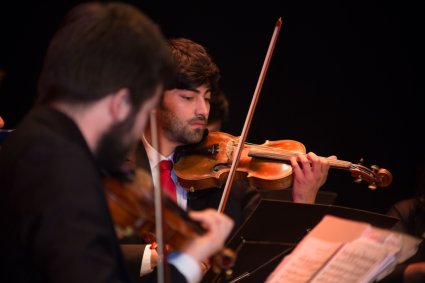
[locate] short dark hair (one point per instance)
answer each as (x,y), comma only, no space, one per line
(100,48)
(195,66)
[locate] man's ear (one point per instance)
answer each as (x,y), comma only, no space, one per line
(120,105)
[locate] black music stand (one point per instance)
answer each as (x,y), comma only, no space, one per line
(322,197)
(275,228)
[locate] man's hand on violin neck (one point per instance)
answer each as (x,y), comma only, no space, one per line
(218,227)
(310,173)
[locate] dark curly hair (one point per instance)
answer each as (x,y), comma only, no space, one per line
(195,66)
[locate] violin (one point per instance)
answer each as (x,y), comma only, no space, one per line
(131,204)
(265,166)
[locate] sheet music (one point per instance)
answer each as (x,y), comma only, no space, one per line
(301,266)
(358,261)
(342,250)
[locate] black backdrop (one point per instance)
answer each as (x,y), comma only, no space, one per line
(346,78)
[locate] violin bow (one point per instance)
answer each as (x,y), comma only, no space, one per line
(159,232)
(249,116)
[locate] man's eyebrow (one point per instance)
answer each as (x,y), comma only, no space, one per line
(192,89)
(197,91)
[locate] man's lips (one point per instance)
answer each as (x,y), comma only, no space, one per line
(199,124)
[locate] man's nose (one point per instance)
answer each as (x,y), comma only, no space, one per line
(202,107)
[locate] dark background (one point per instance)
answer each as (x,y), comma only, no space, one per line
(346,78)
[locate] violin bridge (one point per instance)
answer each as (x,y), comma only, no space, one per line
(229,150)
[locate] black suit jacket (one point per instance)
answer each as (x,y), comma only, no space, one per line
(55,221)
(58,224)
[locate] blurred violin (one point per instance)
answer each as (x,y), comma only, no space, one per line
(132,209)
(263,166)
(131,203)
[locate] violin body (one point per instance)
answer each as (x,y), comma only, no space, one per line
(208,164)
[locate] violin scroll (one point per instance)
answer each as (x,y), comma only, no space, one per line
(224,261)
(375,177)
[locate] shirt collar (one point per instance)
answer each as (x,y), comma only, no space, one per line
(153,153)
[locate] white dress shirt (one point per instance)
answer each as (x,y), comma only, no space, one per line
(188,266)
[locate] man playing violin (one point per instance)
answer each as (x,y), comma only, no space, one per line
(103,72)
(182,118)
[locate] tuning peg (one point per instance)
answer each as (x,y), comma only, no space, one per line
(360,161)
(372,186)
(358,180)
(375,168)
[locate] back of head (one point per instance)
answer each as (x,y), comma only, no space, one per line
(195,66)
(100,48)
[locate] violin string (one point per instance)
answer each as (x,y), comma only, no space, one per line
(287,154)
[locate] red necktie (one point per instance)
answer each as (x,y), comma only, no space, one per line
(167,183)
